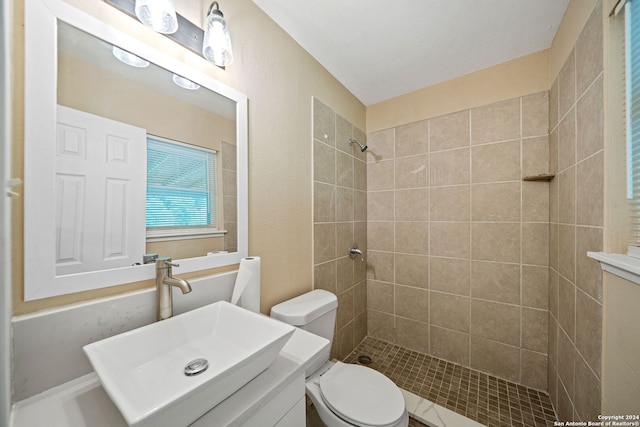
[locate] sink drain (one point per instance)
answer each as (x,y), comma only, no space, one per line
(196,367)
(365,360)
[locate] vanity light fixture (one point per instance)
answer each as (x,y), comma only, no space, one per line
(129,58)
(216,46)
(157,14)
(185,83)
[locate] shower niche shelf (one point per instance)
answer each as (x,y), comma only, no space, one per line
(546,177)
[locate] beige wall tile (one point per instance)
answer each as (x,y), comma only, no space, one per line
(554,279)
(380,296)
(553,151)
(449,311)
(359,205)
(412,205)
(588,394)
(344,204)
(495,242)
(495,281)
(412,172)
(554,249)
(535,201)
(380,206)
(449,203)
(345,309)
(344,274)
(564,407)
(589,330)
(450,131)
(380,236)
(535,330)
(553,105)
(495,321)
(566,362)
(496,162)
(229,182)
(496,201)
(412,139)
(450,275)
(590,120)
(380,266)
(533,368)
(324,242)
(499,121)
(412,270)
(359,329)
(449,167)
(567,196)
(412,303)
(449,239)
(360,299)
(535,287)
(535,114)
(324,123)
(412,335)
(324,202)
(535,156)
(589,51)
(567,140)
(381,325)
(588,271)
(344,132)
(324,277)
(412,237)
(495,358)
(344,238)
(450,345)
(344,169)
(344,342)
(381,145)
(567,307)
(590,191)
(359,175)
(324,163)
(567,251)
(553,343)
(380,175)
(535,243)
(567,85)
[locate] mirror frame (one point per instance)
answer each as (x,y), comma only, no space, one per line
(40,280)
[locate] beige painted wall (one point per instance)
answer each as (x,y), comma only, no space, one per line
(279,79)
(621,347)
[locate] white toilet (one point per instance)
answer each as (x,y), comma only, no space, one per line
(343,394)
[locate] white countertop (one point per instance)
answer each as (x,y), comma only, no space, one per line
(82,402)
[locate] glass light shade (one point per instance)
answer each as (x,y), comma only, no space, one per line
(185,83)
(216,46)
(129,58)
(158,14)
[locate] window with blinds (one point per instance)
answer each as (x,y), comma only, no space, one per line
(181,187)
(632,77)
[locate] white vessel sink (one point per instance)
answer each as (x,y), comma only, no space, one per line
(143,371)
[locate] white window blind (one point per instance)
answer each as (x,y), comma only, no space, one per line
(632,78)
(181,187)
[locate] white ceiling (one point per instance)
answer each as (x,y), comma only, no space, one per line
(382,49)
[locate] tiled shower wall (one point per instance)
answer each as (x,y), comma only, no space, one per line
(577,208)
(458,244)
(340,219)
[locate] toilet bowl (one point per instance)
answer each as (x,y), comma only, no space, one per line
(344,395)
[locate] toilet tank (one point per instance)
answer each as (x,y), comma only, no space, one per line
(314,312)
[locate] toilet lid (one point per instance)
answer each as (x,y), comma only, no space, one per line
(362,396)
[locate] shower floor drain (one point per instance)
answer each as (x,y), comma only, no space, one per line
(365,360)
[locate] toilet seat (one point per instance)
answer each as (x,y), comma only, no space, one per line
(361,396)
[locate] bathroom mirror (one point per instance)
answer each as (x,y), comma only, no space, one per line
(84,227)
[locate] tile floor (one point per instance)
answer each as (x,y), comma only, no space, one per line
(481,397)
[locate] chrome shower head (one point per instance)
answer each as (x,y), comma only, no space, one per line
(363,148)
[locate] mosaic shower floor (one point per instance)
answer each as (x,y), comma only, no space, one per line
(481,397)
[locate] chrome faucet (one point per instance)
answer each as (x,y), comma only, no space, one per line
(164,282)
